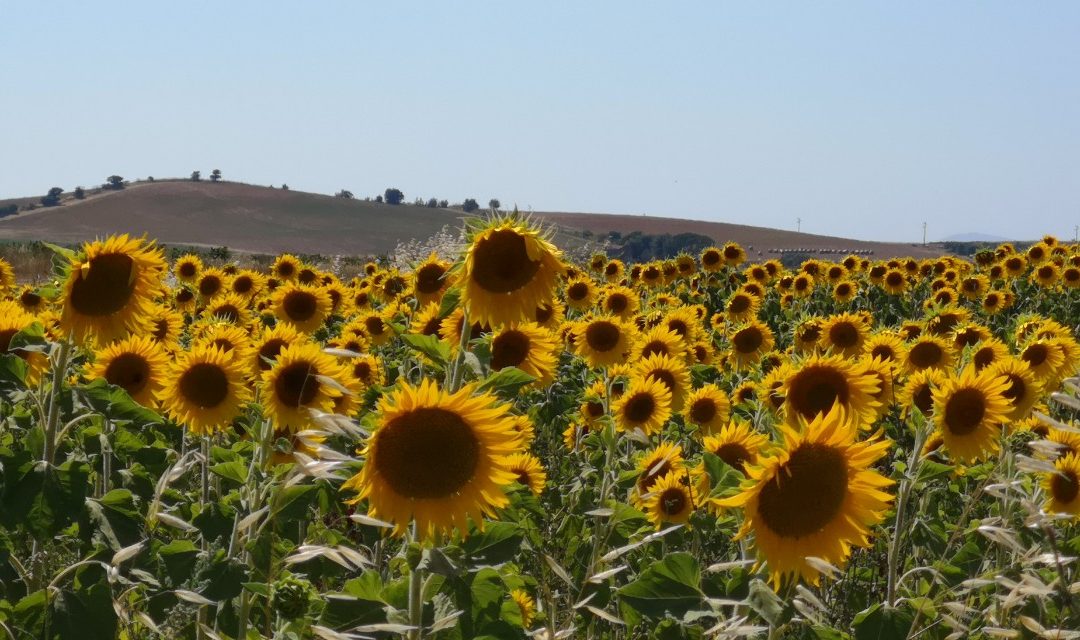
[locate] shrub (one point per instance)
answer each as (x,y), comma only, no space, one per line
(394,196)
(469,205)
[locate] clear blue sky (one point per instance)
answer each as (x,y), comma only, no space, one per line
(863,119)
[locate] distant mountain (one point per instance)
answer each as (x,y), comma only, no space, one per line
(974,237)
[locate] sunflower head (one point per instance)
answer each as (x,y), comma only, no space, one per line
(645,405)
(822,382)
(205,389)
(137,364)
(302,306)
(969,411)
(298,383)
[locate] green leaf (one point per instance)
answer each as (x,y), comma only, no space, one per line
(29,614)
(497,543)
(882,622)
(13,370)
(723,478)
(671,585)
(486,592)
(179,557)
(360,602)
(85,614)
(258,588)
(507,381)
(436,350)
(47,499)
(929,470)
(117,518)
(235,471)
(224,578)
(293,502)
(30,338)
(450,301)
(114,402)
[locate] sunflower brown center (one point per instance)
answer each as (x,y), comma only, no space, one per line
(227,311)
(204,385)
(184,295)
(664,376)
(703,411)
(296,385)
(844,335)
(270,351)
(577,291)
(617,302)
(594,409)
(734,455)
(1035,355)
(654,347)
(427,453)
(307,276)
(602,336)
(739,304)
(710,258)
(299,306)
(362,371)
(923,399)
(673,502)
(129,371)
(640,407)
(375,325)
(807,493)
(816,389)
(30,299)
(964,411)
(509,349)
(106,287)
(543,314)
(1064,486)
(653,473)
(429,278)
(883,352)
(209,285)
(243,285)
(1017,389)
(612,269)
(678,326)
(501,263)
(748,340)
(925,354)
(188,270)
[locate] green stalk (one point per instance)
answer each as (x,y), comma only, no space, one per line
(59,368)
(903,494)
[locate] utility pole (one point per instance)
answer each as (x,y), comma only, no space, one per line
(1076,233)
(798,224)
(924,234)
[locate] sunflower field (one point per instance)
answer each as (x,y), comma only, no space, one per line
(499,443)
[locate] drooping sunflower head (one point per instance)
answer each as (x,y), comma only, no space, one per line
(205,389)
(302,306)
(109,287)
(969,411)
(816,495)
(137,364)
(437,458)
(509,270)
(645,405)
(822,382)
(31,300)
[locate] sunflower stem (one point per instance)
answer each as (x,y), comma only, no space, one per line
(59,368)
(903,494)
(416,605)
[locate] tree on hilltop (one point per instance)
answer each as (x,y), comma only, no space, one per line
(393,196)
(494,203)
(215,175)
(196,176)
(52,198)
(469,205)
(80,193)
(344,193)
(113,182)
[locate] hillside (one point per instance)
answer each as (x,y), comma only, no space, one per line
(264,220)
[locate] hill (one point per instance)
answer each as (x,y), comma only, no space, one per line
(264,220)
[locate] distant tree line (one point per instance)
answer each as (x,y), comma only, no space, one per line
(640,247)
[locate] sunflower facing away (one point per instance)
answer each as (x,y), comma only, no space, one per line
(816,495)
(109,288)
(437,458)
(509,270)
(137,364)
(205,389)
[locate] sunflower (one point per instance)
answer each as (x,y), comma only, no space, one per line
(885,345)
(658,340)
(843,334)
(1063,486)
(527,346)
(13,320)
(286,267)
(712,259)
(646,405)
(247,283)
(1046,275)
(672,372)
(969,335)
(671,499)
(302,306)
(137,364)
(1070,277)
(368,369)
(529,471)
(807,336)
(509,270)
(822,382)
(109,287)
(969,411)
(580,293)
(708,408)
(749,342)
(928,352)
(431,279)
(437,458)
(1044,357)
(549,315)
(603,340)
(734,255)
(817,495)
(894,282)
(665,458)
(526,605)
(263,349)
(885,373)
(211,282)
(845,291)
(228,307)
(297,383)
(184,300)
(31,300)
(683,322)
(988,352)
(619,301)
(702,352)
(745,393)
(1024,389)
(224,336)
(614,271)
(187,268)
(737,444)
(204,389)
(426,321)
(374,326)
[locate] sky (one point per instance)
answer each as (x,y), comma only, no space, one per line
(861,119)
